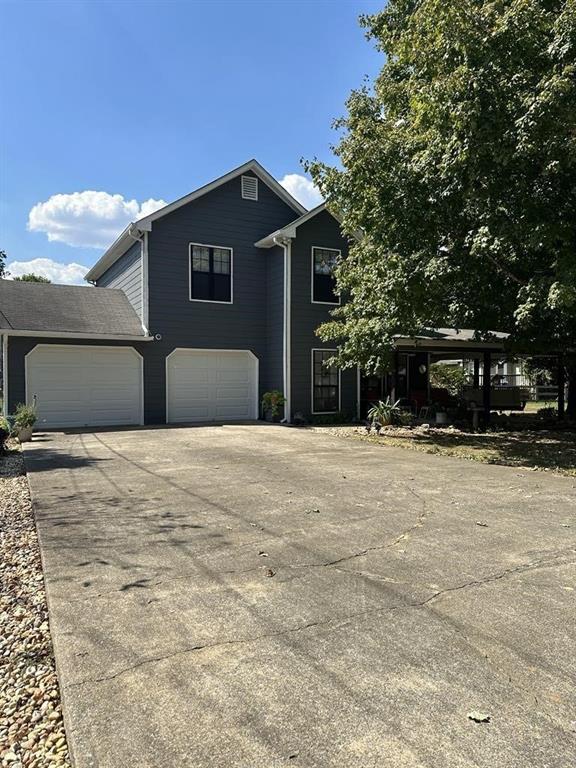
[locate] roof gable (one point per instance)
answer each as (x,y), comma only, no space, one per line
(135,230)
(289,231)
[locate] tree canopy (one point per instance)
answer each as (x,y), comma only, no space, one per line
(30,277)
(457,166)
(3,272)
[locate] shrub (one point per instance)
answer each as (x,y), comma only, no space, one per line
(25,416)
(385,413)
(272,402)
(326,419)
(549,412)
(450,377)
(4,433)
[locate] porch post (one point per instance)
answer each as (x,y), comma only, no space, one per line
(561,386)
(486,392)
(476,379)
(395,376)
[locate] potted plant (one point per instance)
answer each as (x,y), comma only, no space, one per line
(4,433)
(384,413)
(272,404)
(24,419)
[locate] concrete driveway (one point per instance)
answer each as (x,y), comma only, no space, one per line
(256,596)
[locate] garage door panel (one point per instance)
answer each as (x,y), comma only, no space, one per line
(211,386)
(77,386)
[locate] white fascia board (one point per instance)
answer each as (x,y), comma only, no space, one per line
(404,342)
(120,245)
(78,335)
(290,229)
(128,237)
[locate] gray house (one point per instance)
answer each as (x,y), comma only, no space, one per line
(197,310)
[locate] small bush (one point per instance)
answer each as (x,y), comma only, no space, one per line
(549,412)
(326,419)
(449,377)
(25,416)
(4,433)
(272,402)
(385,413)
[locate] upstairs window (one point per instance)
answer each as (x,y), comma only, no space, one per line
(323,282)
(325,382)
(210,273)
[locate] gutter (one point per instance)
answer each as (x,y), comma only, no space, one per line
(286,244)
(78,335)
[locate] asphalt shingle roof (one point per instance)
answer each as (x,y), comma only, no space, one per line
(66,308)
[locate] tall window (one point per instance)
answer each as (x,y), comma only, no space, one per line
(210,273)
(325,382)
(323,282)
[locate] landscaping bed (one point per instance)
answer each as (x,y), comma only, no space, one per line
(539,449)
(31,729)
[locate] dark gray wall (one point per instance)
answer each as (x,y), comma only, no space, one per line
(126,274)
(321,231)
(221,218)
(274,320)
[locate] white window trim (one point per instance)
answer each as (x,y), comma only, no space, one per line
(321,413)
(211,301)
(323,248)
(252,178)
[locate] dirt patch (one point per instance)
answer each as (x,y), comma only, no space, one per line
(546,450)
(31,729)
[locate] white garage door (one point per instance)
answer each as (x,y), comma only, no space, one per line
(85,386)
(211,385)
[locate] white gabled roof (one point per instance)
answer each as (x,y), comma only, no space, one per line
(132,231)
(290,229)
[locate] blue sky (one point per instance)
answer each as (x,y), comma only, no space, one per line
(110,108)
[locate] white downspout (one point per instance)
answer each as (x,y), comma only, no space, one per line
(286,244)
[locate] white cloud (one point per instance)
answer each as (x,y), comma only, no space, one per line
(87,219)
(304,190)
(69,274)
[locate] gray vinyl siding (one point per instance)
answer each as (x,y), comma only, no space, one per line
(275,320)
(126,274)
(19,346)
(220,218)
(321,231)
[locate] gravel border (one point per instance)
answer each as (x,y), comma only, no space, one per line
(31,728)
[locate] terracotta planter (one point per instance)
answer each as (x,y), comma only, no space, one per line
(25,434)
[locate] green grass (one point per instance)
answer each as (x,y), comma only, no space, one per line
(534,405)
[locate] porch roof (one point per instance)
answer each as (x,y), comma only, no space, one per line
(451,339)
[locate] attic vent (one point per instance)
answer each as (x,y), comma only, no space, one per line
(249,187)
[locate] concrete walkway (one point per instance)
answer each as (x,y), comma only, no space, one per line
(256,596)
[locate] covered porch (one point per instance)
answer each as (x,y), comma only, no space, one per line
(492,381)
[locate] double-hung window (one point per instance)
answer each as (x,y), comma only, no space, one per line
(323,282)
(210,273)
(325,382)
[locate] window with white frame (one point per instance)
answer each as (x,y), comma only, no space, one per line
(210,273)
(325,382)
(323,282)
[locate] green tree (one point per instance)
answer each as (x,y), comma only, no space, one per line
(30,277)
(3,272)
(458,167)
